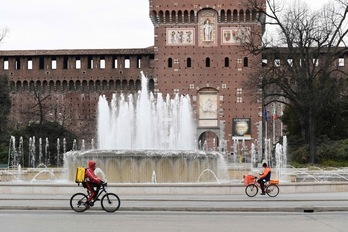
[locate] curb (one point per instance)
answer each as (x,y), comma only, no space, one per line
(190,209)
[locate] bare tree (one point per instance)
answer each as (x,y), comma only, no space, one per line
(39,110)
(302,49)
(3,33)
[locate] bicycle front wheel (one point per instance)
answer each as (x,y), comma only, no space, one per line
(251,190)
(110,202)
(272,190)
(78,202)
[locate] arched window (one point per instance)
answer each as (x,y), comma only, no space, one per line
(104,85)
(131,85)
(227,62)
(71,85)
(138,85)
(124,85)
(18,86)
(229,16)
(248,16)
(31,86)
(207,62)
(91,85)
(111,85)
(167,17)
(151,85)
(254,13)
(246,62)
(170,63)
(189,62)
(84,85)
(65,86)
(25,86)
(235,16)
(118,85)
(173,17)
(78,85)
(51,86)
(192,16)
(186,17)
(98,85)
(241,16)
(223,16)
(38,86)
(58,86)
(161,16)
(180,16)
(45,88)
(13,86)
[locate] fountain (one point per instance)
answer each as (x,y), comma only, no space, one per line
(281,161)
(140,135)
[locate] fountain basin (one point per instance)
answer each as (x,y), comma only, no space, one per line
(32,175)
(147,166)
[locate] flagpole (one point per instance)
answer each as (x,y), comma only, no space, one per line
(266,132)
(274,131)
(274,121)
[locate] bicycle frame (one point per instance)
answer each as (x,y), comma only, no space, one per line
(101,191)
(110,202)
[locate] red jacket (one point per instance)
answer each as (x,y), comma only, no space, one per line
(93,178)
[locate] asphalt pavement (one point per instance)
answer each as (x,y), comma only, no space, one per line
(303,202)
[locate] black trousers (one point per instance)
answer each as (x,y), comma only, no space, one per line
(262,184)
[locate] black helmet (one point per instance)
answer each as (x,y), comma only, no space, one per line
(264,165)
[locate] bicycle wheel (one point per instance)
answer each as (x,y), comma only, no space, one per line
(110,202)
(78,202)
(251,190)
(272,190)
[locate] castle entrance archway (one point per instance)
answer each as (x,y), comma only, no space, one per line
(208,141)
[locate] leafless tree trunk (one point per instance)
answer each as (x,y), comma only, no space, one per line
(3,33)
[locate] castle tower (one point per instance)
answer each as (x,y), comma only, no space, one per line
(198,51)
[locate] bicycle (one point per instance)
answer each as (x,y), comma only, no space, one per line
(110,202)
(252,186)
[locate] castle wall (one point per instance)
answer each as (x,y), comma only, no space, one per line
(69,83)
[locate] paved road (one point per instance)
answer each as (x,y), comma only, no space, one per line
(308,202)
(57,221)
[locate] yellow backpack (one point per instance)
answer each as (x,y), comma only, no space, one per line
(80,175)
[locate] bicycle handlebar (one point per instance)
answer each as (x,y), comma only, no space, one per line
(104,184)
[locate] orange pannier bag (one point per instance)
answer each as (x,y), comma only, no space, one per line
(248,179)
(274,181)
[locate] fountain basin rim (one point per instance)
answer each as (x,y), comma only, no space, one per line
(145,152)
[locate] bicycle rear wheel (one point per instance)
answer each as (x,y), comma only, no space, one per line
(272,190)
(78,202)
(251,190)
(110,202)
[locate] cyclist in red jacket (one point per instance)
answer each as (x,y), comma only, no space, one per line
(92,181)
(264,177)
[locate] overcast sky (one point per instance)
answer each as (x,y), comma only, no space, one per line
(78,24)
